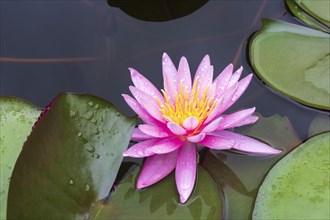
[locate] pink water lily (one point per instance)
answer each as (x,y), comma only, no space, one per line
(184,114)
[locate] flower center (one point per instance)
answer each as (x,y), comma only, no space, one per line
(187,104)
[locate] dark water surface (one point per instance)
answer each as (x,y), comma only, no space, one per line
(85,46)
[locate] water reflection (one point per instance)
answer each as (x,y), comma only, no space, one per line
(161,10)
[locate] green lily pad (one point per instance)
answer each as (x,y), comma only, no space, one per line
(298,186)
(70,159)
(319,9)
(302,15)
(320,124)
(240,175)
(293,60)
(161,200)
(16,120)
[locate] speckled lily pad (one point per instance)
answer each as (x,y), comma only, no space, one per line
(298,186)
(293,60)
(70,159)
(16,120)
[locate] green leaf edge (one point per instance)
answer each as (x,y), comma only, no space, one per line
(279,165)
(276,26)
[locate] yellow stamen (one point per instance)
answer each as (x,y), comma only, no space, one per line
(187,104)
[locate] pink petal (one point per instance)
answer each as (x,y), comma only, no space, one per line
(148,103)
(222,103)
(190,123)
(139,110)
(249,120)
(164,146)
(204,74)
(212,90)
(196,138)
(155,131)
(247,144)
(235,77)
(227,97)
(145,85)
(185,172)
(234,119)
(139,135)
(176,129)
(139,150)
(170,77)
(155,168)
(222,80)
(184,74)
(242,85)
(218,143)
(213,125)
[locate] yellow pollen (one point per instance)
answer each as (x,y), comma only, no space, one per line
(187,105)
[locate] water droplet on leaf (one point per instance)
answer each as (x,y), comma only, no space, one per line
(90,149)
(72,113)
(87,188)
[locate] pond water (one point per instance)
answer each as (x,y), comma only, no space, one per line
(48,47)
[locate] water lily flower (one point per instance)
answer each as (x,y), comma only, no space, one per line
(184,114)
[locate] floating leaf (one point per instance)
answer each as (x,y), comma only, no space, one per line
(70,160)
(298,186)
(320,123)
(161,201)
(16,120)
(160,10)
(302,15)
(293,60)
(319,9)
(240,175)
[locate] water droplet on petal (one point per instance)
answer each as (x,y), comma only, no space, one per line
(140,153)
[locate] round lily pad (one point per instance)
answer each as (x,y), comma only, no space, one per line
(70,159)
(319,9)
(17,117)
(298,186)
(297,11)
(293,60)
(161,200)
